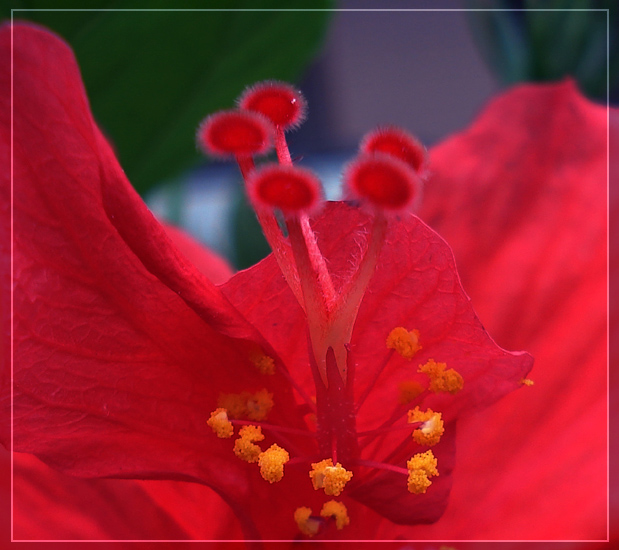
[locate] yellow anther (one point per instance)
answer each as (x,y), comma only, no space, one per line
(430,432)
(307,524)
(259,405)
(440,379)
(272,462)
(220,424)
(404,342)
(264,363)
(246,450)
(527,382)
(421,467)
(244,446)
(331,478)
(409,390)
(234,403)
(336,510)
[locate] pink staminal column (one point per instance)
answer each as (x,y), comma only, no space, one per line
(384,179)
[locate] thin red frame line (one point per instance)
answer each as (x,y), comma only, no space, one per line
(11,289)
(322,540)
(608,275)
(607,319)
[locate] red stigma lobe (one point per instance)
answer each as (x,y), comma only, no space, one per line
(283,105)
(238,133)
(397,143)
(292,190)
(383,181)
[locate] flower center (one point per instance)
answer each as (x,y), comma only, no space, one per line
(385,179)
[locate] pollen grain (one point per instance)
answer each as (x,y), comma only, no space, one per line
(307,524)
(442,379)
(421,467)
(332,479)
(272,462)
(245,447)
(336,510)
(220,424)
(405,342)
(431,429)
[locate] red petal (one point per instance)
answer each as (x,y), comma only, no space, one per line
(5,248)
(383,493)
(214,267)
(121,345)
(521,196)
(49,505)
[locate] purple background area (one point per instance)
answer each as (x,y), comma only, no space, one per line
(420,70)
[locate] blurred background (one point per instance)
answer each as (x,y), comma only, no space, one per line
(152,75)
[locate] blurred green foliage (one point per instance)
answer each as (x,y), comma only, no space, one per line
(531,43)
(151,75)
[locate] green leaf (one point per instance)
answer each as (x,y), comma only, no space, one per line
(501,40)
(152,76)
(528,42)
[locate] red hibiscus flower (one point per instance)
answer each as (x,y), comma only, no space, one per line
(123,349)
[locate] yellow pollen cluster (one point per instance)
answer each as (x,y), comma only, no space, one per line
(527,382)
(255,406)
(220,424)
(336,510)
(421,467)
(404,342)
(409,390)
(272,462)
(244,446)
(430,432)
(264,363)
(440,379)
(331,478)
(307,524)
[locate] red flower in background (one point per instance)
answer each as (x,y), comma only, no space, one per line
(121,380)
(535,220)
